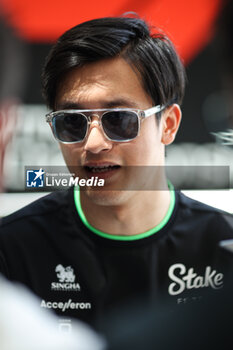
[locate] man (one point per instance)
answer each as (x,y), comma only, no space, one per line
(115,92)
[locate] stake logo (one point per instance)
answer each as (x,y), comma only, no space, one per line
(188,279)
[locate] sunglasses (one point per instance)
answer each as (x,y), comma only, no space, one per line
(118,124)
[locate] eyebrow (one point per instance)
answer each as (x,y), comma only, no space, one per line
(119,102)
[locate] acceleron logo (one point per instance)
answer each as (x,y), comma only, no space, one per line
(35,178)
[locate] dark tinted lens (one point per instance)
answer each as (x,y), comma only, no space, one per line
(70,127)
(120,125)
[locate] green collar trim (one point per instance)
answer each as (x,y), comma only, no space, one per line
(125,238)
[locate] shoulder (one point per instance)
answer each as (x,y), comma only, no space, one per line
(197,206)
(48,205)
(200,214)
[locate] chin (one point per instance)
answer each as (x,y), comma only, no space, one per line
(108,197)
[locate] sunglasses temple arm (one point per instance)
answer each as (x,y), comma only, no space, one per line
(153,110)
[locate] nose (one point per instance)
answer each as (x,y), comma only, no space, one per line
(96,141)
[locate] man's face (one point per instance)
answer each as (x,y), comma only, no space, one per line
(109,83)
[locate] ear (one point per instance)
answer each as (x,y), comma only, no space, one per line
(171,119)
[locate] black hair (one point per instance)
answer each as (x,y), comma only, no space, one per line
(153,55)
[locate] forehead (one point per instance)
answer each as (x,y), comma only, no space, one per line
(102,82)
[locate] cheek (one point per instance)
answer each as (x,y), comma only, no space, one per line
(137,152)
(71,154)
(150,133)
(149,148)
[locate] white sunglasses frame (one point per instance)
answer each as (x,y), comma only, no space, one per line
(141,114)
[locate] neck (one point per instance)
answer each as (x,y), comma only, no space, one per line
(132,215)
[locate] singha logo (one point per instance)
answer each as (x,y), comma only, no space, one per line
(65,274)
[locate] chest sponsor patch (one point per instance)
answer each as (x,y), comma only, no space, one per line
(184,279)
(65,305)
(66,279)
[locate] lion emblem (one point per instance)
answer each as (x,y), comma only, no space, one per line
(65,274)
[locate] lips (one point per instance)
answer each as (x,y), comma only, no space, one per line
(103,170)
(97,169)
